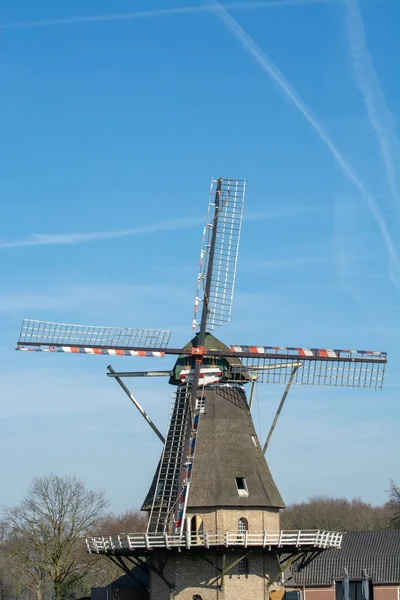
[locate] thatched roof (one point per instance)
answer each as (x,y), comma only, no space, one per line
(225,450)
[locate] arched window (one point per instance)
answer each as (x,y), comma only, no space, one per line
(197,597)
(244,566)
(243,526)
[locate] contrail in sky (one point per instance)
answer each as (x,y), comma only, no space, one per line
(69,239)
(273,72)
(368,83)
(163,12)
(49,239)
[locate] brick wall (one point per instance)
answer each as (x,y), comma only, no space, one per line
(321,593)
(226,519)
(193,575)
(383,592)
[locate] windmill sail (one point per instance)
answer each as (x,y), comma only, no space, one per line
(320,367)
(47,336)
(186,474)
(223,253)
(167,485)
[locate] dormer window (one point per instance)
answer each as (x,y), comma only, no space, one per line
(241,486)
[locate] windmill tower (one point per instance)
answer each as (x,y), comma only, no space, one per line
(213,528)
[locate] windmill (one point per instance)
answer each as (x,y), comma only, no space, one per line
(210,379)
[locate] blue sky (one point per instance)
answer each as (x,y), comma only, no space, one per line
(111,131)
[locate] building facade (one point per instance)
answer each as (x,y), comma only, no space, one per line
(376,552)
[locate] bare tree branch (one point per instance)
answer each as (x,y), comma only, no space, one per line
(48,529)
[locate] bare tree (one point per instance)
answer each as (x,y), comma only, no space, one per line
(129,521)
(25,570)
(49,526)
(337,514)
(5,580)
(394,505)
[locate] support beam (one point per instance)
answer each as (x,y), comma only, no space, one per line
(136,403)
(301,556)
(226,568)
(253,389)
(282,568)
(142,564)
(221,585)
(160,573)
(210,562)
(137,563)
(118,561)
(278,412)
(308,558)
(141,374)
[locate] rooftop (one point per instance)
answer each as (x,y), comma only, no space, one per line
(376,551)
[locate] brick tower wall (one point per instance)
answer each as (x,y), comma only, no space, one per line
(193,575)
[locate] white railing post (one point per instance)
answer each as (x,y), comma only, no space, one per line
(317,538)
(265,537)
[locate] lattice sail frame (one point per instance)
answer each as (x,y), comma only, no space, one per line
(47,336)
(229,224)
(188,467)
(318,367)
(267,364)
(172,465)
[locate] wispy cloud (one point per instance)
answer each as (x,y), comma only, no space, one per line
(162,12)
(68,239)
(81,297)
(369,85)
(39,239)
(284,213)
(295,261)
(278,78)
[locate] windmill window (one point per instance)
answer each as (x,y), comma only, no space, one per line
(201,404)
(243,526)
(253,437)
(244,566)
(241,486)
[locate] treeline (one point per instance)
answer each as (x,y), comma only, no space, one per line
(340,514)
(42,550)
